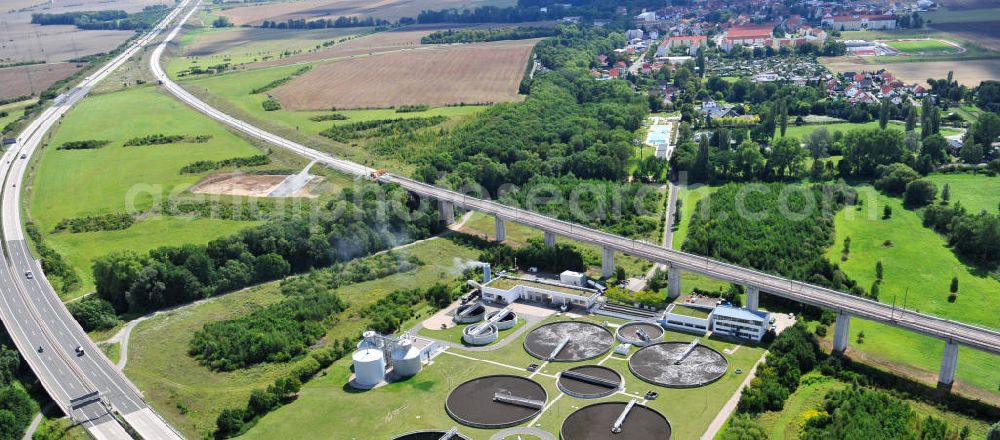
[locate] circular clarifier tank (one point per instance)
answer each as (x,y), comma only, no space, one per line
(596,422)
(678,364)
(568,341)
(496,401)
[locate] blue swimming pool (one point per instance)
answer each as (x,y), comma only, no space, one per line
(658,134)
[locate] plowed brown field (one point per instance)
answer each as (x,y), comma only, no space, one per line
(33,79)
(437,76)
(384,9)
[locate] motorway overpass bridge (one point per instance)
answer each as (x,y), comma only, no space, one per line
(952,333)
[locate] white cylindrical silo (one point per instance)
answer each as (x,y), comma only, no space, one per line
(369,367)
(406,359)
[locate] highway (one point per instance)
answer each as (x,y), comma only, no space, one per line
(976,337)
(87,387)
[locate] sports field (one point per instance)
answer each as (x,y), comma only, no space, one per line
(74,183)
(417,403)
(927,46)
(918,267)
(191,396)
(469,74)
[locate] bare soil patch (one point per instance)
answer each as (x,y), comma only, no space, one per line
(384,9)
(248,185)
(22,41)
(440,76)
(983,33)
(967,72)
(33,79)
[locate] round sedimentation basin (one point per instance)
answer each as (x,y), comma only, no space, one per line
(658,364)
(585,341)
(474,403)
(470,313)
(428,435)
(507,322)
(589,382)
(631,333)
(488,335)
(594,422)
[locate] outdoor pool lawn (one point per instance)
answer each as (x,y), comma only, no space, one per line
(801,131)
(921,46)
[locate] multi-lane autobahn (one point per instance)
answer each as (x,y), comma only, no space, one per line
(953,331)
(75,373)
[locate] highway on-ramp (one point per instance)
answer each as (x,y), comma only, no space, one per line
(75,373)
(957,332)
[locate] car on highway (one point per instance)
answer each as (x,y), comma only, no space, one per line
(24,155)
(29,275)
(79,350)
(40,349)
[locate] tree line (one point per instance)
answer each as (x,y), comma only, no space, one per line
(115,221)
(163,139)
(339,22)
(280,81)
(379,127)
(172,275)
(202,166)
(105,20)
(451,36)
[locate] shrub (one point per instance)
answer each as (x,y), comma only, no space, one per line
(83,145)
(919,193)
(93,313)
(329,117)
(238,162)
(821,330)
(271,105)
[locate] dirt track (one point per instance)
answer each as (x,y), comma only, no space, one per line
(435,76)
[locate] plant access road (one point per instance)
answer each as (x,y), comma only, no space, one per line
(75,373)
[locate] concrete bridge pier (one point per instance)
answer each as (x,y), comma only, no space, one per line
(674,282)
(608,263)
(842,332)
(753,298)
(447,211)
(501,229)
(949,364)
(550,239)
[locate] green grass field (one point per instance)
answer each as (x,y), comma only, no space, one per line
(975,192)
(804,402)
(972,47)
(919,266)
(14,111)
(416,403)
(159,364)
(801,131)
(119,179)
(922,46)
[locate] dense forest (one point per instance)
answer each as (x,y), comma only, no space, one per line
(16,406)
(775,228)
(857,412)
(354,225)
(105,20)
